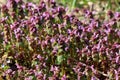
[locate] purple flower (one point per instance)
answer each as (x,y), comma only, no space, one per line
(19,1)
(12,3)
(94,71)
(60,10)
(64,77)
(116,75)
(44,44)
(118,33)
(5,9)
(29,78)
(117,15)
(66,48)
(88,14)
(54,68)
(46,15)
(42,6)
(19,67)
(9,71)
(110,13)
(93,78)
(52,40)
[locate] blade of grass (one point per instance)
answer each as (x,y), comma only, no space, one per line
(73,4)
(109,6)
(117,3)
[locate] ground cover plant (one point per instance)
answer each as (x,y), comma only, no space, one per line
(46,42)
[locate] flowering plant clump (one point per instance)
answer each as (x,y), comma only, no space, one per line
(46,42)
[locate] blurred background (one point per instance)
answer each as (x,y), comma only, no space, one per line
(96,5)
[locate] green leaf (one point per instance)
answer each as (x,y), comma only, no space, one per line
(21,44)
(7,47)
(5,67)
(34,63)
(60,59)
(34,78)
(84,78)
